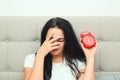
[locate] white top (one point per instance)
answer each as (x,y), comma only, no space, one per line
(60,71)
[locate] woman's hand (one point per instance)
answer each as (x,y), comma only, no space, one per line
(89,53)
(48,45)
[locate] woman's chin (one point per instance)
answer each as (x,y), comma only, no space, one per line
(54,52)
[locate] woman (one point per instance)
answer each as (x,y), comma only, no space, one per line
(60,56)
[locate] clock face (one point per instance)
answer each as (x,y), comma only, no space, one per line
(88,41)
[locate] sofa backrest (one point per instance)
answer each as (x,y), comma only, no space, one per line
(20,36)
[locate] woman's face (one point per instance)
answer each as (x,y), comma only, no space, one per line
(57,33)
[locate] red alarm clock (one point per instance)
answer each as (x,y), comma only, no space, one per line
(88,40)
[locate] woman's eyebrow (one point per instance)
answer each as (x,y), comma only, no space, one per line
(60,38)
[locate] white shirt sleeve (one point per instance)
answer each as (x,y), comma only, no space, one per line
(29,60)
(81,65)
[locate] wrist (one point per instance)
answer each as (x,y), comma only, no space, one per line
(90,60)
(90,57)
(41,54)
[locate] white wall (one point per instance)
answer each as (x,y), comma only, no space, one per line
(59,7)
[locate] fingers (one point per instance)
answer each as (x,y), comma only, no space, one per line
(55,44)
(48,37)
(54,39)
(52,43)
(82,45)
(55,47)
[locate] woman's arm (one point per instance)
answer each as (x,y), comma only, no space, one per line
(37,72)
(89,73)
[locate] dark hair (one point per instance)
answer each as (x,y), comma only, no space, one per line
(72,49)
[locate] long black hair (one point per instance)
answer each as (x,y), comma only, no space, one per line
(72,49)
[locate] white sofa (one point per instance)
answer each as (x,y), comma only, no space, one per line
(20,36)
